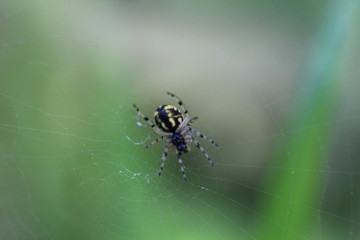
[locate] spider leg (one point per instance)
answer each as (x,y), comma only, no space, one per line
(203,136)
(186,122)
(154,141)
(152,125)
(163,159)
(180,102)
(181,163)
(203,151)
(192,120)
(183,125)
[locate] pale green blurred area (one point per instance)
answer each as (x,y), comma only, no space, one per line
(274,82)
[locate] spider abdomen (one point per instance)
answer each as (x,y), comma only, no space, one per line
(168,118)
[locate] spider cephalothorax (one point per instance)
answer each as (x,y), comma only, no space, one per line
(175,129)
(179,142)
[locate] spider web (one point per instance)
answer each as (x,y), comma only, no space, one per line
(73,162)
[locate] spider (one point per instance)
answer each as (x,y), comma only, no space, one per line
(174,127)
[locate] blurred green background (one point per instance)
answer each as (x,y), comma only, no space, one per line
(274,82)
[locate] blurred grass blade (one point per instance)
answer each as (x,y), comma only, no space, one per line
(293,212)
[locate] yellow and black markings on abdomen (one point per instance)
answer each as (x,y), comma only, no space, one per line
(168,118)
